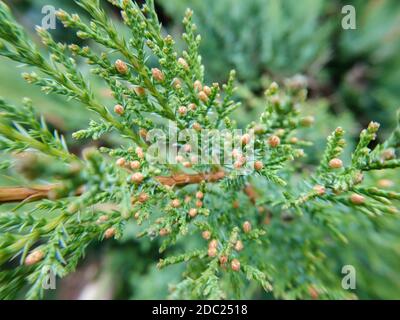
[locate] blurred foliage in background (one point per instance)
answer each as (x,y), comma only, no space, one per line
(353,77)
(357,69)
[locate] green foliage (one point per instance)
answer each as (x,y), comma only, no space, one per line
(271,225)
(360,66)
(277,39)
(371,54)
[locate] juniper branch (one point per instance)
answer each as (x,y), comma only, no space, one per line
(231,204)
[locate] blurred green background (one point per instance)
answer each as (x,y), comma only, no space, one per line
(353,77)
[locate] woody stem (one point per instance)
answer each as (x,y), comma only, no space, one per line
(18,194)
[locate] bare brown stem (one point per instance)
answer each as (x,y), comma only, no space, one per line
(18,194)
